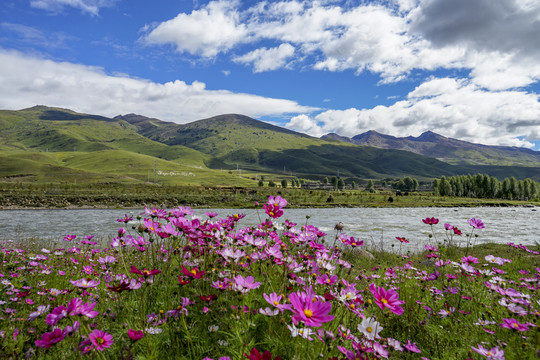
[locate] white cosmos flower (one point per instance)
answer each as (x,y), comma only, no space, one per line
(370,328)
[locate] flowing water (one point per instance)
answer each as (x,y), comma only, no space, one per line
(375,226)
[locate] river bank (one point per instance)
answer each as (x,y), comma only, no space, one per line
(118,196)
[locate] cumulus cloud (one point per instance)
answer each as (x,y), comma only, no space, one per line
(390,39)
(264,59)
(27,81)
(206,32)
(89,6)
(455,108)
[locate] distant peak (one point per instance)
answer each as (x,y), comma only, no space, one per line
(427,136)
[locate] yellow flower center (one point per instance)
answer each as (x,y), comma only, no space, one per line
(276,303)
(194,272)
(308,313)
(100,341)
(384,301)
(369,329)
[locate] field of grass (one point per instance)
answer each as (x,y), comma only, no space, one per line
(185,288)
(131,194)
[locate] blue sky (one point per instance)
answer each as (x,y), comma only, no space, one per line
(467,69)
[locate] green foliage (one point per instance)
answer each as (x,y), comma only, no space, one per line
(484,186)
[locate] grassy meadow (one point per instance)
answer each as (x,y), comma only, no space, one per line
(174,286)
(244,195)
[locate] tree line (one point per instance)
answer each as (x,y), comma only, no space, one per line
(485,186)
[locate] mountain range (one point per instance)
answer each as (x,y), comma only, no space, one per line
(53,144)
(446,149)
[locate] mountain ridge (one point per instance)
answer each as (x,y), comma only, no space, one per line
(453,151)
(129,142)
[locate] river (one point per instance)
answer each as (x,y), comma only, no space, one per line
(378,226)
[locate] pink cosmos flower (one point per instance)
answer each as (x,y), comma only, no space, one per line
(387,299)
(56,315)
(244,284)
(277,201)
(107,260)
(308,309)
(51,338)
(476,223)
(41,309)
(85,283)
(411,347)
(351,241)
(144,272)
(70,237)
(274,205)
(274,300)
(494,259)
(430,221)
(469,260)
(272,211)
(513,324)
(327,280)
(100,339)
(493,354)
(402,239)
(194,273)
(135,335)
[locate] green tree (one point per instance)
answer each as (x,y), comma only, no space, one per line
(334,181)
(271,184)
(369,186)
(340,184)
(284,183)
(261,183)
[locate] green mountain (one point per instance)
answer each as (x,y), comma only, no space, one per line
(53,144)
(449,150)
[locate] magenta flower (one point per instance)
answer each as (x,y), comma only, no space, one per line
(352,241)
(387,299)
(309,310)
(56,315)
(513,324)
(274,300)
(144,272)
(85,283)
(430,221)
(274,205)
(272,211)
(70,237)
(244,284)
(135,335)
(126,219)
(476,223)
(493,354)
(411,347)
(277,201)
(51,338)
(100,339)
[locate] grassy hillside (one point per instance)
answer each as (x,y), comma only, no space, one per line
(51,144)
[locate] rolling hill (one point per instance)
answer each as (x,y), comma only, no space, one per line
(52,144)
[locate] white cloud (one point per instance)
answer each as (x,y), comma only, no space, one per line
(497,41)
(27,81)
(455,108)
(264,59)
(206,32)
(89,6)
(305,124)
